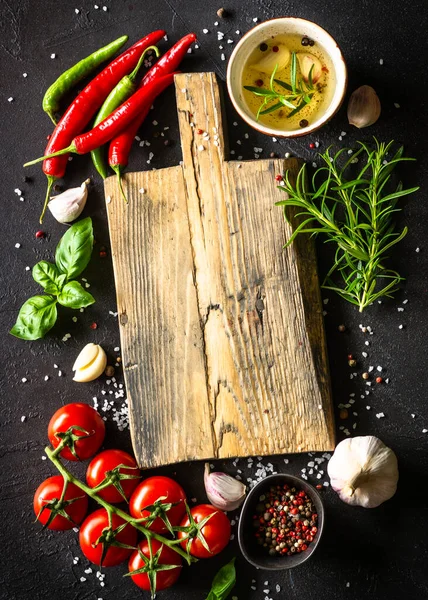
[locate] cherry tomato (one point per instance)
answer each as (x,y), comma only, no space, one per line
(51,489)
(81,415)
(107,461)
(91,530)
(164,579)
(152,489)
(216,531)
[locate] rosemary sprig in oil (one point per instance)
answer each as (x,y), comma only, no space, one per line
(356,216)
(299,92)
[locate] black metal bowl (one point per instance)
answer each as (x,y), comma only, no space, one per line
(256,554)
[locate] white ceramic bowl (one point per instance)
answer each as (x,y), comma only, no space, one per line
(261,33)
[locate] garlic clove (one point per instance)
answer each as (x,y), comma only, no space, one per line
(363,471)
(364,107)
(90,363)
(66,207)
(308,62)
(223,491)
(271,59)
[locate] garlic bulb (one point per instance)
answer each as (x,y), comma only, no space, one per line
(66,207)
(223,491)
(90,363)
(363,107)
(363,471)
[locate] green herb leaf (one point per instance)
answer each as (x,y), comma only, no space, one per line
(266,111)
(75,248)
(258,91)
(223,582)
(293,71)
(283,84)
(36,317)
(74,296)
(49,277)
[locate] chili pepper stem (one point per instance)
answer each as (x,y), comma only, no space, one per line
(51,181)
(118,170)
(134,73)
(70,148)
(53,457)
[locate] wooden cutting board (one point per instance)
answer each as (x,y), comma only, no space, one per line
(221,329)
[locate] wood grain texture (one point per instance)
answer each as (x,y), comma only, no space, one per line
(222,330)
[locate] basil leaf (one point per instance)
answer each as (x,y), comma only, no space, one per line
(37,315)
(74,296)
(46,274)
(223,582)
(75,248)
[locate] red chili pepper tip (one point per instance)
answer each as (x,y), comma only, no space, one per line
(40,234)
(93,326)
(279,178)
(200,131)
(379,379)
(319,487)
(311,145)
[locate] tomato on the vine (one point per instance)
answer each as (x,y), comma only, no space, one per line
(215,531)
(97,540)
(85,419)
(164,578)
(105,465)
(74,504)
(158,492)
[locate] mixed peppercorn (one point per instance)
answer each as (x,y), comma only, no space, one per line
(285,521)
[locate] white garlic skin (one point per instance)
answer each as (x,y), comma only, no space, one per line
(363,471)
(66,207)
(223,491)
(364,107)
(90,363)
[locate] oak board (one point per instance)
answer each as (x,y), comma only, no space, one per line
(221,329)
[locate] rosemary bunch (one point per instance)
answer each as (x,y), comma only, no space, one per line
(356,216)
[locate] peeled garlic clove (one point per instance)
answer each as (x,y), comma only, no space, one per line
(363,107)
(223,491)
(269,61)
(363,471)
(90,363)
(308,62)
(66,207)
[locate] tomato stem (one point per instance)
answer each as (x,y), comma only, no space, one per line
(53,457)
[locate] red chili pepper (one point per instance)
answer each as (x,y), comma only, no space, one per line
(83,108)
(120,146)
(116,122)
(170,60)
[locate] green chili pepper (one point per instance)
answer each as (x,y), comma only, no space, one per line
(69,78)
(124,89)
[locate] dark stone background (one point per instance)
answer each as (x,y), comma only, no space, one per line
(382,553)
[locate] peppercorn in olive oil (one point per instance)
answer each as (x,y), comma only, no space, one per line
(307,82)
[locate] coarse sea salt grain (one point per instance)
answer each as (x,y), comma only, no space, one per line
(53,55)
(17,245)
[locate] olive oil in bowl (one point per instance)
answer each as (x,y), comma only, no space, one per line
(289,82)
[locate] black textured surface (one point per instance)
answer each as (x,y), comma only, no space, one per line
(382,553)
